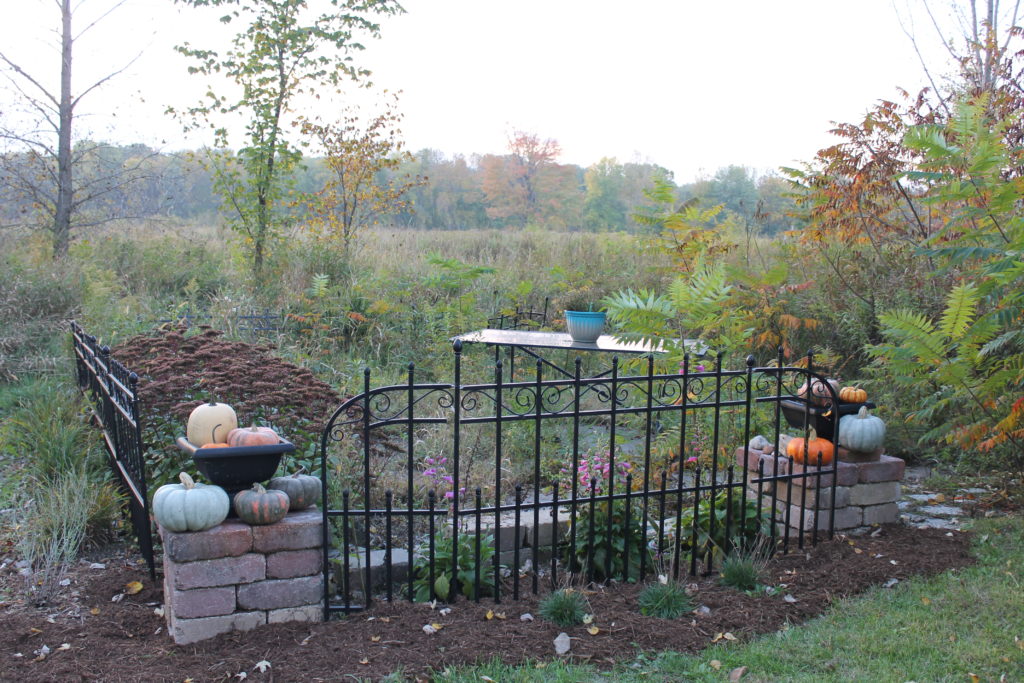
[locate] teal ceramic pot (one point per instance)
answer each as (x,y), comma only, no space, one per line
(585,326)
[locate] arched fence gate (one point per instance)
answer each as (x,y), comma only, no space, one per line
(489,489)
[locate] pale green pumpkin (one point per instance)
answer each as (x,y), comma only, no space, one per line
(303,490)
(862,432)
(189,506)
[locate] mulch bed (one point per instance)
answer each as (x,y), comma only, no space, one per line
(126,640)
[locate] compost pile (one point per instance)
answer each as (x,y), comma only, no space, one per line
(178,371)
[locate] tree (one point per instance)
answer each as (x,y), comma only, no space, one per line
(604,208)
(527,185)
(39,164)
(284,51)
(361,188)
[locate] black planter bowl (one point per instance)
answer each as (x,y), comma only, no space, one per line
(822,419)
(237,468)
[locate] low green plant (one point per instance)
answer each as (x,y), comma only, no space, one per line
(664,600)
(55,518)
(564,607)
(445,586)
(735,525)
(742,568)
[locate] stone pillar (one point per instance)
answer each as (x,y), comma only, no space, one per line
(235,577)
(866,493)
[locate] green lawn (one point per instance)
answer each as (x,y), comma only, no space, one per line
(946,628)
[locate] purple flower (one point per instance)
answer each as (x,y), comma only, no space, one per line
(700,368)
(448,478)
(430,471)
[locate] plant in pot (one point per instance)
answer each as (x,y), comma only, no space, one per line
(585,326)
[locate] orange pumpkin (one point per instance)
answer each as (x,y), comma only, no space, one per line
(253,436)
(853,395)
(215,445)
(812,451)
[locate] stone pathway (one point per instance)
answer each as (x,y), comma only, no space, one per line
(922,508)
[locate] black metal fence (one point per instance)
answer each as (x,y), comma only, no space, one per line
(113,390)
(435,489)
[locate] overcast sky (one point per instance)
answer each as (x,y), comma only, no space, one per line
(691,85)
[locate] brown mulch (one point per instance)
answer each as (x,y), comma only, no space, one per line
(126,640)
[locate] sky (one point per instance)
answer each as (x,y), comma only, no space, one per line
(690,85)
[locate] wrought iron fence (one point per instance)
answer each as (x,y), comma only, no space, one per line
(435,489)
(113,389)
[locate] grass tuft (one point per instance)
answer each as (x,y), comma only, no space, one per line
(665,601)
(565,607)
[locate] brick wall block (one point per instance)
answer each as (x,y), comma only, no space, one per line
(882,514)
(230,539)
(220,572)
(846,518)
(307,613)
(185,631)
(201,602)
(887,468)
(875,494)
(288,564)
(297,531)
(279,593)
(824,495)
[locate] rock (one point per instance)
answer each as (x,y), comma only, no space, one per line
(562,643)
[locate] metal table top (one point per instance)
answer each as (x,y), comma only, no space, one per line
(551,340)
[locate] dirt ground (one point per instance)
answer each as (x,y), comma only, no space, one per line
(91,635)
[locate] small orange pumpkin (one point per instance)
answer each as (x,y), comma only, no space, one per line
(812,451)
(253,436)
(853,395)
(215,445)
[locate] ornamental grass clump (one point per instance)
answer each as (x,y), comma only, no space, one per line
(664,601)
(565,607)
(742,568)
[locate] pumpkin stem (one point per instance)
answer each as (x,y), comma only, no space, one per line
(813,435)
(186,480)
(862,414)
(302,468)
(258,488)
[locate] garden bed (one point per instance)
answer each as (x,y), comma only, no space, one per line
(126,639)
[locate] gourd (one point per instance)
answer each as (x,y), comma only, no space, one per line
(189,506)
(252,436)
(819,393)
(261,506)
(818,451)
(210,423)
(303,489)
(215,445)
(862,432)
(852,395)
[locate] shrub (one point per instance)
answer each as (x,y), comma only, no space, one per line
(665,601)
(565,607)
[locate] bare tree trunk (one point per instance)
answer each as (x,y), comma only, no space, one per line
(62,212)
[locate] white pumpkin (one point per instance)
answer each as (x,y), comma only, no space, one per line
(210,423)
(819,392)
(862,432)
(189,506)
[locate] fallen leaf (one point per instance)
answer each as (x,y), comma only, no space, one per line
(718,637)
(789,598)
(64,646)
(117,598)
(364,661)
(926,601)
(729,636)
(940,498)
(94,611)
(489,615)
(890,583)
(487,678)
(562,643)
(429,629)
(159,611)
(445,612)
(386,620)
(262,666)
(133,587)
(241,675)
(35,630)
(737,673)
(663,579)
(374,639)
(588,618)
(526,617)
(499,615)
(974,677)
(715,664)
(593,630)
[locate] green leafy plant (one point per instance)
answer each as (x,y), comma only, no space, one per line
(664,600)
(608,540)
(446,586)
(744,526)
(565,607)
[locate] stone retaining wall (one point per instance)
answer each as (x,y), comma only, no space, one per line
(866,492)
(235,577)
